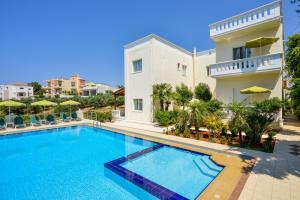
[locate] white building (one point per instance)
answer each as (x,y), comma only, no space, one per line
(92,89)
(15,91)
(227,69)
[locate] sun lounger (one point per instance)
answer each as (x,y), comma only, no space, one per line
(2,124)
(64,118)
(19,122)
(74,117)
(34,121)
(50,119)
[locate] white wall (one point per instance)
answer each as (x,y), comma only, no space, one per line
(12,91)
(204,59)
(228,89)
(160,65)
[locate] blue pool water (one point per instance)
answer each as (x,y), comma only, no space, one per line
(68,163)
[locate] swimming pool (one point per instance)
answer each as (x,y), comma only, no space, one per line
(83,162)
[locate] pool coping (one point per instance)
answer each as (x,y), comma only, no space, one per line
(232,194)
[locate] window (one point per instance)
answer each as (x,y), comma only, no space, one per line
(184,70)
(73,84)
(138,104)
(241,53)
(137,65)
(178,66)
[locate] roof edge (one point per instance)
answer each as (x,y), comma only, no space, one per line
(158,38)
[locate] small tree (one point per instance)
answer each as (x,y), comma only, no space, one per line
(214,124)
(197,113)
(162,93)
(238,121)
(183,95)
(293,67)
(37,88)
(202,92)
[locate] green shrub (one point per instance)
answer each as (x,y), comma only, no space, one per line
(223,140)
(164,118)
(269,106)
(26,119)
(214,105)
(104,116)
(203,92)
(268,144)
(177,133)
(187,133)
(223,131)
(197,136)
(182,121)
(211,139)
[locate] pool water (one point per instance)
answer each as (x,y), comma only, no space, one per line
(68,163)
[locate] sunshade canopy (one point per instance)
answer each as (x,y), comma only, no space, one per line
(260,42)
(255,90)
(10,103)
(44,103)
(70,102)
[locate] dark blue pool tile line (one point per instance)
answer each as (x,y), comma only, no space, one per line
(142,182)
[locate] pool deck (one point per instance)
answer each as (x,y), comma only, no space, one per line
(274,176)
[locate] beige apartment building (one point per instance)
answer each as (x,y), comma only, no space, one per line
(62,86)
(233,65)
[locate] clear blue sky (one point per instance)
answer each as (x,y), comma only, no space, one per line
(42,39)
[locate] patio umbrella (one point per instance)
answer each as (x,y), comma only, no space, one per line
(70,103)
(255,90)
(260,42)
(44,103)
(10,103)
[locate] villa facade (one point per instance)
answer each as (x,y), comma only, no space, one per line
(92,89)
(62,86)
(15,91)
(228,68)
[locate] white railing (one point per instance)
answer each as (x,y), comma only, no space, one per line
(258,15)
(248,65)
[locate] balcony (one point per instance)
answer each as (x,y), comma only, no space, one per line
(266,63)
(266,13)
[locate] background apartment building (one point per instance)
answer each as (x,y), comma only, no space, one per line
(15,91)
(62,86)
(227,69)
(92,89)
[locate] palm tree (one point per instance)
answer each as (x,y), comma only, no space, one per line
(197,113)
(238,120)
(163,94)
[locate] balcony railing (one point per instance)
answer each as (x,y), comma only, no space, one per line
(258,15)
(248,65)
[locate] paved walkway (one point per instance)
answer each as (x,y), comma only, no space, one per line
(277,175)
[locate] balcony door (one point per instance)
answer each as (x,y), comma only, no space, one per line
(241,53)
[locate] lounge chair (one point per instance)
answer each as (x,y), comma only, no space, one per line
(64,118)
(75,117)
(35,121)
(50,119)
(2,124)
(19,122)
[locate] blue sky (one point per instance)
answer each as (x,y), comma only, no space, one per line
(56,38)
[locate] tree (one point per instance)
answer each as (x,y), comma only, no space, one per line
(197,113)
(183,95)
(202,92)
(238,121)
(37,88)
(162,93)
(293,67)
(293,56)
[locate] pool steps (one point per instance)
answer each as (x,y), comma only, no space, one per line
(207,168)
